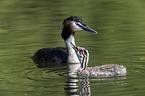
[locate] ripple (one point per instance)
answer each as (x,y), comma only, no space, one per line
(38,74)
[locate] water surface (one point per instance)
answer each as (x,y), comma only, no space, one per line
(27,25)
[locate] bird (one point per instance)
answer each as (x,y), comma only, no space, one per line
(59,56)
(107,70)
(74,56)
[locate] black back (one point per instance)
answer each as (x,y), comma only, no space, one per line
(50,57)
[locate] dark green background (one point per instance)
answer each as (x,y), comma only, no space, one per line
(28,25)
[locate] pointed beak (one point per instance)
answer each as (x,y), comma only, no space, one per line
(86,28)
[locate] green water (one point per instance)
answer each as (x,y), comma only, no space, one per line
(28,25)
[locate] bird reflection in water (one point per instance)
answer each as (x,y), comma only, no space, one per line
(81,86)
(78,87)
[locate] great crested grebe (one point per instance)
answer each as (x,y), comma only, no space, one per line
(75,57)
(48,57)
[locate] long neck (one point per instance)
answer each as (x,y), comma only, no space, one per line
(73,61)
(72,56)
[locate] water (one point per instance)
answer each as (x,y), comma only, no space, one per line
(27,25)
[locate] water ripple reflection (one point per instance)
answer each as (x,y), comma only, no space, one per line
(37,74)
(83,86)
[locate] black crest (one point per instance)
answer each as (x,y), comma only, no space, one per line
(75,18)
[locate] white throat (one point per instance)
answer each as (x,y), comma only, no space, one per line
(72,57)
(73,61)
